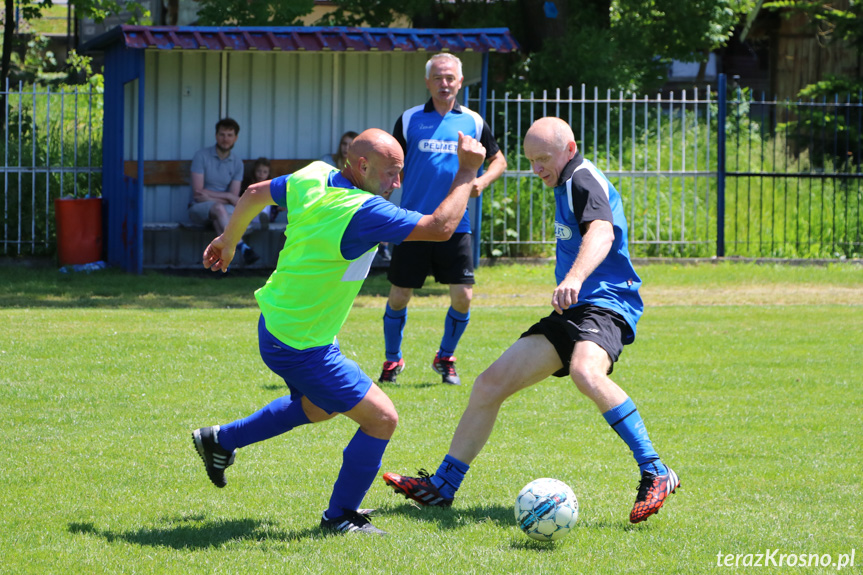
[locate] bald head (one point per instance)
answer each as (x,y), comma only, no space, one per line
(549,145)
(552,131)
(375,160)
(370,143)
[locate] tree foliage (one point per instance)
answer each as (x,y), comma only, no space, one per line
(618,44)
(256,13)
(35,61)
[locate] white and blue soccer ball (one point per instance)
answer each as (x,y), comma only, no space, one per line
(546,509)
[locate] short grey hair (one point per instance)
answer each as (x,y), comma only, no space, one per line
(443,56)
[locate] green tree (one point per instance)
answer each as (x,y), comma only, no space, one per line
(253,13)
(618,44)
(28,10)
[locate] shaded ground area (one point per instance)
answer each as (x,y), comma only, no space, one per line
(25,285)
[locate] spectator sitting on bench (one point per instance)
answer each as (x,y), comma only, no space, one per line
(261,172)
(216,178)
(339,158)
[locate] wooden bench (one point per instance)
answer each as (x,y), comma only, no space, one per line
(171,240)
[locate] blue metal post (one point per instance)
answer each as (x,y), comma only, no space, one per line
(720,168)
(139,197)
(477,227)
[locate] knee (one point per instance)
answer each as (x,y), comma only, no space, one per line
(461,300)
(587,378)
(399,298)
(385,424)
(487,389)
(218,211)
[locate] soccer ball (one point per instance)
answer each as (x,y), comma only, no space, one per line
(546,509)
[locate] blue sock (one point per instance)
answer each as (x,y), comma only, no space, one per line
(276,418)
(394,330)
(449,476)
(454,326)
(625,420)
(361,461)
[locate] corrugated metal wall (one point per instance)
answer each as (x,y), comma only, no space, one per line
(289,105)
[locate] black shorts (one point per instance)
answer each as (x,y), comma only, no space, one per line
(602,326)
(451,262)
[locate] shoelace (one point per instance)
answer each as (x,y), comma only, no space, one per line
(644,487)
(447,365)
(357,518)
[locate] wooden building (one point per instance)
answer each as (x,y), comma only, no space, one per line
(778,53)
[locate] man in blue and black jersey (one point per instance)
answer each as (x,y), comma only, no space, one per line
(596,307)
(428,135)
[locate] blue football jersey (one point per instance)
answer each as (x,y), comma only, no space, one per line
(585,196)
(430,143)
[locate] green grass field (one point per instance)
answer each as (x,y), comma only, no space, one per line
(748,378)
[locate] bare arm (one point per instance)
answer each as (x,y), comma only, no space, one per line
(440,225)
(220,252)
(496,167)
(202,194)
(595,246)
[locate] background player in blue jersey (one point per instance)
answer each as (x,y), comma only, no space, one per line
(596,306)
(335,221)
(429,136)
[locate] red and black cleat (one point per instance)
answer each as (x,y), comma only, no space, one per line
(420,489)
(653,490)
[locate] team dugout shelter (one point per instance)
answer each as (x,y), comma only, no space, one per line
(293,90)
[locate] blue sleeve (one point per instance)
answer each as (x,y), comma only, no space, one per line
(279,190)
(378,220)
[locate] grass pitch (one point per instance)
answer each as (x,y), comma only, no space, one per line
(748,378)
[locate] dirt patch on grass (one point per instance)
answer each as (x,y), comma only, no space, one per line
(791,294)
(770,294)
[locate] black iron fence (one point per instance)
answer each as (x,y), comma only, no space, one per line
(778,179)
(792,180)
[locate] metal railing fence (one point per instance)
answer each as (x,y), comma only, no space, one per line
(50,147)
(782,179)
(656,151)
(793,181)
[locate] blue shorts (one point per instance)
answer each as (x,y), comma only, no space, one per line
(323,374)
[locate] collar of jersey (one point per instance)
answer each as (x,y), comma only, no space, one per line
(215,153)
(569,168)
(337,180)
(429,107)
